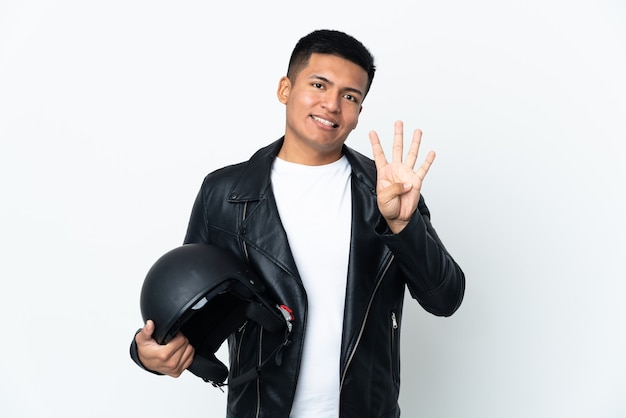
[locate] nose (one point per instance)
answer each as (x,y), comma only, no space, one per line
(331,102)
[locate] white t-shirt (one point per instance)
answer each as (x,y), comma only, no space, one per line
(315,207)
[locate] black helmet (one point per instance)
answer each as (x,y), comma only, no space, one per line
(206,293)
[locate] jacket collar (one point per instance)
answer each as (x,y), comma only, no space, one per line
(255,177)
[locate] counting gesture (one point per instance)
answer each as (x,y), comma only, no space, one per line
(398,185)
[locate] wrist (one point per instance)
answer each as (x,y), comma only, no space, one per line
(397,226)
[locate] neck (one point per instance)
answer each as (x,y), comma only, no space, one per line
(308,157)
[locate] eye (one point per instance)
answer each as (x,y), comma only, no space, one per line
(317,85)
(351,98)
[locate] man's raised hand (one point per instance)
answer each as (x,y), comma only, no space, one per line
(398,185)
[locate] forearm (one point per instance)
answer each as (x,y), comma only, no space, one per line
(431,274)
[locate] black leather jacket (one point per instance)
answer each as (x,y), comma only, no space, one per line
(235,209)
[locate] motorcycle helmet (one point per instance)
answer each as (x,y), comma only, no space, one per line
(207,293)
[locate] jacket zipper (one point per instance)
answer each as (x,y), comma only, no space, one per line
(243,243)
(394,330)
(258,382)
(369,306)
(242,331)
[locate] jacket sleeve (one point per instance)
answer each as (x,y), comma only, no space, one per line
(432,276)
(197,226)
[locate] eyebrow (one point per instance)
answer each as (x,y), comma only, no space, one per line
(324,79)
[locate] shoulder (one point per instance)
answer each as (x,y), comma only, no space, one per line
(250,174)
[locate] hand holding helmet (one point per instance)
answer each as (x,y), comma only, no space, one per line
(170,359)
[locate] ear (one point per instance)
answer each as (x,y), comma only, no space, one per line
(284,87)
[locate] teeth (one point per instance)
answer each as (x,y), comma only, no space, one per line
(325,122)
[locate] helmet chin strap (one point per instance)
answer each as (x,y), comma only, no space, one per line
(209,368)
(206,366)
(255,372)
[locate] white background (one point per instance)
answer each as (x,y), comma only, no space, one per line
(112,112)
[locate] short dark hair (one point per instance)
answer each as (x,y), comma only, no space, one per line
(332,42)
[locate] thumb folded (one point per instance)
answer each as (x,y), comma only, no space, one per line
(147,330)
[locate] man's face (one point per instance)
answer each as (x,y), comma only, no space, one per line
(322,108)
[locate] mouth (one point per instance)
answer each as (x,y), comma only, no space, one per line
(325,122)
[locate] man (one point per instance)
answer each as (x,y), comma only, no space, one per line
(336,237)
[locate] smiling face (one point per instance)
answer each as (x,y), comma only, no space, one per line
(322,108)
